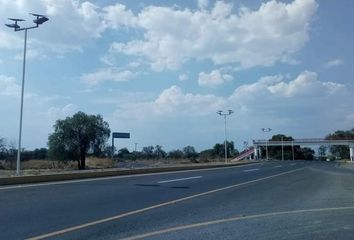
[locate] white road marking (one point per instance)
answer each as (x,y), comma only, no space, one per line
(251,170)
(116,177)
(234,219)
(179,179)
(278,166)
(104,220)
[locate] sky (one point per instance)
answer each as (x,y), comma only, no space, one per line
(161,69)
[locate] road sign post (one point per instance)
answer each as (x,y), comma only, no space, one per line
(118,135)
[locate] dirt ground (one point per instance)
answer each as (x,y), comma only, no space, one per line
(39,167)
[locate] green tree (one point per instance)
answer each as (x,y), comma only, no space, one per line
(148,152)
(322,150)
(75,136)
(159,152)
(219,149)
(3,150)
(175,154)
(341,151)
(190,153)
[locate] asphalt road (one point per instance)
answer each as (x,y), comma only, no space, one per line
(273,200)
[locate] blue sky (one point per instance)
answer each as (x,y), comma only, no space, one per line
(161,69)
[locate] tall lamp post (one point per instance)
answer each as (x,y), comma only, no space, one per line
(266,130)
(225,114)
(40,19)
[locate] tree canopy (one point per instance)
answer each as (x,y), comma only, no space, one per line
(75,136)
(341,151)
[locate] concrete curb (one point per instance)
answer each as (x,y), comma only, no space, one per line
(105,173)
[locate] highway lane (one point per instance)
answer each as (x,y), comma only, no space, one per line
(36,210)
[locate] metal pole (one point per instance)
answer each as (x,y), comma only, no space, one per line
(21,109)
(112,146)
(136,144)
(282,149)
(225,140)
(292,145)
(267,149)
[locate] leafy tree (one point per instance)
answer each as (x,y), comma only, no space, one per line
(206,155)
(219,149)
(126,155)
(307,153)
(275,152)
(175,154)
(122,152)
(159,152)
(148,152)
(190,152)
(322,150)
(75,136)
(3,150)
(341,151)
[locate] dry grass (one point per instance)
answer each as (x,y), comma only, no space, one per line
(92,162)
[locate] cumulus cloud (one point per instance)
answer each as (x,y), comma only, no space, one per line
(202,4)
(116,16)
(261,37)
(9,87)
(107,74)
(31,54)
(183,77)
(306,84)
(173,102)
(71,24)
(247,38)
(334,63)
(55,113)
(275,98)
(214,78)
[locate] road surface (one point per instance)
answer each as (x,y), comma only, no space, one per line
(273,200)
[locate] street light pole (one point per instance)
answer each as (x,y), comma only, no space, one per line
(266,130)
(21,109)
(39,20)
(225,114)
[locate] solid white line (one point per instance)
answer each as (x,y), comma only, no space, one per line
(179,179)
(78,227)
(117,177)
(278,166)
(234,219)
(251,170)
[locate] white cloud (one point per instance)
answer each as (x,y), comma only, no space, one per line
(183,77)
(9,40)
(249,38)
(55,113)
(274,98)
(172,102)
(334,63)
(107,74)
(202,4)
(31,54)
(214,78)
(9,87)
(71,24)
(116,16)
(306,84)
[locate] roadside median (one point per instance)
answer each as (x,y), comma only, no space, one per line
(64,176)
